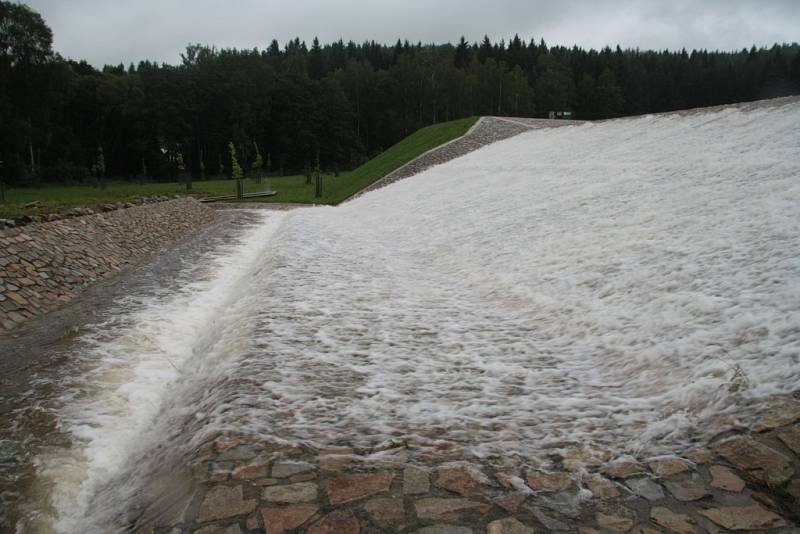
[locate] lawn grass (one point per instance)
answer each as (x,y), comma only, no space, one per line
(55,198)
(335,189)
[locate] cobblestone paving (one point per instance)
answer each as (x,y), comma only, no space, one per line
(486,131)
(44,264)
(78,211)
(736,482)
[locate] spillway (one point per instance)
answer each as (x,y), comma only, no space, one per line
(632,283)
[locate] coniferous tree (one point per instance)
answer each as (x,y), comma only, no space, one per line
(99,168)
(182,174)
(554,87)
(463,54)
(236,171)
(258,163)
(317,179)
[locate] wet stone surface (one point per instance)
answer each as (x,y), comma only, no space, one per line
(48,263)
(32,354)
(727,491)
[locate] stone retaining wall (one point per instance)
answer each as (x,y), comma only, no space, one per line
(78,211)
(44,265)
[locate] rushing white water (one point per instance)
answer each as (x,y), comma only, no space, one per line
(599,282)
(133,368)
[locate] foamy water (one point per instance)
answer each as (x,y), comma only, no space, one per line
(602,282)
(132,376)
(597,282)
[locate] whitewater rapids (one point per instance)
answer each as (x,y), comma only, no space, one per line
(623,283)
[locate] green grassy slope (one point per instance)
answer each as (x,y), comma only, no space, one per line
(289,188)
(337,189)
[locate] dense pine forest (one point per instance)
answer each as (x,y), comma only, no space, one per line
(286,107)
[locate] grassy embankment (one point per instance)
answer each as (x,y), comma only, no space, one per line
(289,188)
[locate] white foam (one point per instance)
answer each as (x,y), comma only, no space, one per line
(598,282)
(134,364)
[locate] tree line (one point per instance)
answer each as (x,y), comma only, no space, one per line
(290,108)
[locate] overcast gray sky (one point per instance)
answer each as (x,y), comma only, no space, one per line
(113,31)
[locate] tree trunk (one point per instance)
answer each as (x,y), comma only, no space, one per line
(358,115)
(500,99)
(317,178)
(433,90)
(30,150)
(421,106)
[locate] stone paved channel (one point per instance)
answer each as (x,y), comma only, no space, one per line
(743,482)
